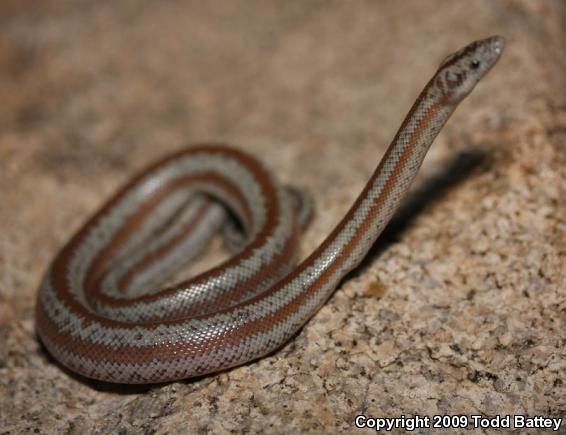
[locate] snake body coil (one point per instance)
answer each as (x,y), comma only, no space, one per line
(98,312)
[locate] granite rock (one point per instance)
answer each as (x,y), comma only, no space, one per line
(459,309)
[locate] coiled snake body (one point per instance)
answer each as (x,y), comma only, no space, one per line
(99,315)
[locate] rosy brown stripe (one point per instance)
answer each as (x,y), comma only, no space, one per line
(156,255)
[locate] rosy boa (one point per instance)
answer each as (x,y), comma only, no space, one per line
(101,314)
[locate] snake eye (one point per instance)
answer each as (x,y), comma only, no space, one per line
(475,64)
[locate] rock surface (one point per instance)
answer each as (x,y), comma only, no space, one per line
(459,309)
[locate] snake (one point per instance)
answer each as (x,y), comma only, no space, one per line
(105,309)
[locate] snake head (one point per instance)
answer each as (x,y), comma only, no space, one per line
(460,71)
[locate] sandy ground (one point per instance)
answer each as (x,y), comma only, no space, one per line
(459,309)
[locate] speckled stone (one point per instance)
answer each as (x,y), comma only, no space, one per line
(461,306)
